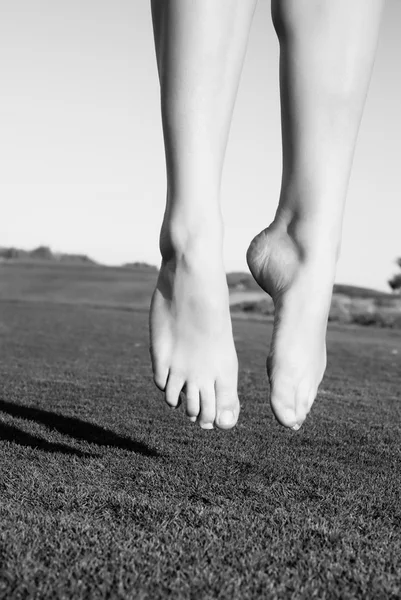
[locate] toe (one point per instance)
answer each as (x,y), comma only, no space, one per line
(227,406)
(160,377)
(173,389)
(207,407)
(193,401)
(304,399)
(282,401)
(160,374)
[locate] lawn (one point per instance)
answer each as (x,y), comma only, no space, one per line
(107,493)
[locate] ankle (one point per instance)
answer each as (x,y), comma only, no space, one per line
(189,239)
(315,236)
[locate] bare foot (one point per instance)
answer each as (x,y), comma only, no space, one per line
(299,277)
(192,346)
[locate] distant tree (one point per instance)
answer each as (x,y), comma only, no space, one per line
(12,253)
(42,252)
(395,282)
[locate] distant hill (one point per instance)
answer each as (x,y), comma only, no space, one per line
(141,265)
(43,253)
(238,281)
(359,292)
(75,258)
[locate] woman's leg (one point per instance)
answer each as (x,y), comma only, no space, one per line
(200,47)
(327,49)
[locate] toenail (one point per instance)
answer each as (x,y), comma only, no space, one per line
(226,418)
(296,427)
(192,419)
(207,425)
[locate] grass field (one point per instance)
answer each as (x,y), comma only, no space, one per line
(106,493)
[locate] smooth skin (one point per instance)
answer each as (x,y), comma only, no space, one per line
(327,51)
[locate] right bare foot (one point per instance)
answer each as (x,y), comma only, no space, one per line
(299,277)
(192,346)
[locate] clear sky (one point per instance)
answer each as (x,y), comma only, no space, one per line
(81,152)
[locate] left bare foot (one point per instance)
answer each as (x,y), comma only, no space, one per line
(192,346)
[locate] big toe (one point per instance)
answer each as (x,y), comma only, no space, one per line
(283,402)
(227,406)
(291,402)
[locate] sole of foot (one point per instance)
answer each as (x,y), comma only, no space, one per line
(191,341)
(300,284)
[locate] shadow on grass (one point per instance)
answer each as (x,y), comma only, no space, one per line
(13,434)
(81,430)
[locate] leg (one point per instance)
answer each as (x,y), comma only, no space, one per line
(327,50)
(200,47)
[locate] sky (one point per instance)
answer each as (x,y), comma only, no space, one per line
(81,148)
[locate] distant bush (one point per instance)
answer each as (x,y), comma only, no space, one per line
(340,309)
(12,253)
(378,311)
(261,307)
(242,281)
(378,319)
(76,258)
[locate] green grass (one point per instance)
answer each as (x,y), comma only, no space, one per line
(106,493)
(95,285)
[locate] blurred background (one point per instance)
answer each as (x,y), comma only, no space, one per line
(81,151)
